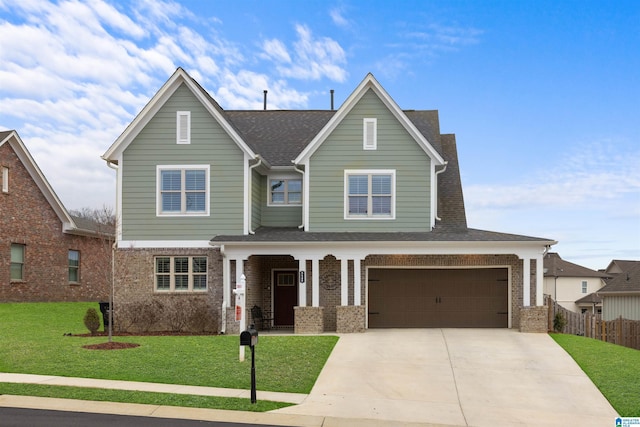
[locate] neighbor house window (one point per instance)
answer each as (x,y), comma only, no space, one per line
(584,286)
(370,132)
(5,179)
(183,127)
(17,262)
(183,190)
(74,266)
(369,194)
(285,192)
(181,273)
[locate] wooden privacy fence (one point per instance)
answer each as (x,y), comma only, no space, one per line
(620,331)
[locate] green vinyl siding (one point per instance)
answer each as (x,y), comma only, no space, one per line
(396,150)
(277,216)
(156,145)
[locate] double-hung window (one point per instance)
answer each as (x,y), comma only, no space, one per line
(369,194)
(74,266)
(17,262)
(181,273)
(285,192)
(5,179)
(183,190)
(584,286)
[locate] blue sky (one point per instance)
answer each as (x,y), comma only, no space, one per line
(544,96)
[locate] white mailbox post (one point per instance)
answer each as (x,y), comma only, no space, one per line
(241,312)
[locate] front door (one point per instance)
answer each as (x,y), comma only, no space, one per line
(285,297)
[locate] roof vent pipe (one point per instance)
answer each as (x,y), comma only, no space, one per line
(265,99)
(331,99)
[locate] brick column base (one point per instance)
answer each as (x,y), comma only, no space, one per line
(309,320)
(533,319)
(350,318)
(233,327)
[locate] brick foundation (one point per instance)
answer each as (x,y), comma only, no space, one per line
(533,319)
(350,318)
(309,320)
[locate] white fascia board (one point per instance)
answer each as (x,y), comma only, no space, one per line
(38,177)
(369,82)
(309,250)
(158,244)
(157,101)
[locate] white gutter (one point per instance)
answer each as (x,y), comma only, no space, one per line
(251,168)
(304,198)
(436,188)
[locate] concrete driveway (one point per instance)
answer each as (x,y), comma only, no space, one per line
(459,377)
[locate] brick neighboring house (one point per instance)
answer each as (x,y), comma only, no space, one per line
(341,220)
(46,254)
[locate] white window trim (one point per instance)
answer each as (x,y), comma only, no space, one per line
(70,267)
(207,196)
(179,115)
(584,287)
(365,134)
(5,179)
(370,217)
(172,275)
(284,178)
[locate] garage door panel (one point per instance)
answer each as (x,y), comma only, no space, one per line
(438,298)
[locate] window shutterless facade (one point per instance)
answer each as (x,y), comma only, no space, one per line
(17,262)
(283,192)
(369,194)
(5,179)
(183,190)
(584,286)
(74,266)
(181,273)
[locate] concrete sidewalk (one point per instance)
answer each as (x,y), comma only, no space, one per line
(401,377)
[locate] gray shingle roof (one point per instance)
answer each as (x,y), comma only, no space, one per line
(627,281)
(557,267)
(444,234)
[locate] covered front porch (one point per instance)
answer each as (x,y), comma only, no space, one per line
(314,286)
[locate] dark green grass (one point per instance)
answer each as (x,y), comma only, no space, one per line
(123,396)
(33,342)
(614,369)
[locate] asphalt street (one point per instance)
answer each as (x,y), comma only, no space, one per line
(17,417)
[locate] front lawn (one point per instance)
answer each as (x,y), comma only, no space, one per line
(614,369)
(33,342)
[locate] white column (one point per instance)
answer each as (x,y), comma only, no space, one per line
(344,281)
(226,282)
(302,282)
(357,297)
(539,281)
(526,282)
(315,284)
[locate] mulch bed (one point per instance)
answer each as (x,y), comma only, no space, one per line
(111,346)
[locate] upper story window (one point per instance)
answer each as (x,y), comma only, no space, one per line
(183,126)
(74,266)
(4,176)
(17,262)
(181,273)
(370,132)
(284,192)
(584,286)
(183,190)
(369,194)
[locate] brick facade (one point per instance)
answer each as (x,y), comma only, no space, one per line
(28,219)
(139,307)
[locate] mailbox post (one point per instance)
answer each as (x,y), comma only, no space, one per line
(250,338)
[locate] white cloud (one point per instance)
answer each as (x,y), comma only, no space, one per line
(338,18)
(312,58)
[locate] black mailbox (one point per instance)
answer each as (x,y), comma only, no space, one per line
(249,337)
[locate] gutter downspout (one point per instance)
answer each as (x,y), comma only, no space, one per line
(304,199)
(223,312)
(251,168)
(446,163)
(114,247)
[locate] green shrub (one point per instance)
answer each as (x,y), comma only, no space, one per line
(559,322)
(92,320)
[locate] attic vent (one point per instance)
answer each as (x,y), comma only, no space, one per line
(183,123)
(370,130)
